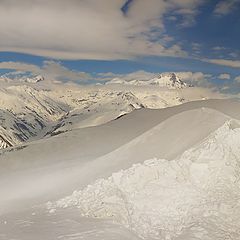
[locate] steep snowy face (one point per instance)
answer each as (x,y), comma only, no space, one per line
(26,113)
(164,80)
(193,197)
(170,80)
(35,79)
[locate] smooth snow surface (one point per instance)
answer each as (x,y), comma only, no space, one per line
(195,196)
(161,174)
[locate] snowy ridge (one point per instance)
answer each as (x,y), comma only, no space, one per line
(193,197)
(9,78)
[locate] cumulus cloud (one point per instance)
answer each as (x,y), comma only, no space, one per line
(18,66)
(195,78)
(218,48)
(237,79)
(138,75)
(55,71)
(224,76)
(50,70)
(196,46)
(234,54)
(225,7)
(91,29)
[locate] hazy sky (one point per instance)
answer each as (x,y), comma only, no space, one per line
(78,39)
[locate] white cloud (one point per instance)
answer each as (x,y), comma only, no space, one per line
(224,76)
(90,29)
(224,62)
(138,75)
(225,7)
(218,48)
(50,70)
(234,54)
(237,79)
(54,70)
(196,46)
(195,78)
(166,38)
(18,66)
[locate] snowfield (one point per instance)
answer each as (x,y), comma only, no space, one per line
(99,164)
(195,196)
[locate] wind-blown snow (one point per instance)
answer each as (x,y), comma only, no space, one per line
(195,196)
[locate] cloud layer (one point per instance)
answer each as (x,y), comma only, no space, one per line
(224,76)
(224,62)
(91,29)
(51,70)
(225,7)
(54,71)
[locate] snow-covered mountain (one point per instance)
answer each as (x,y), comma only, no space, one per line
(165,80)
(22,78)
(36,109)
(26,113)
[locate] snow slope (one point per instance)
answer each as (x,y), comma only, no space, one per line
(63,162)
(194,196)
(52,168)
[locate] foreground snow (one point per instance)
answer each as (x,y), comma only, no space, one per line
(193,197)
(192,194)
(68,224)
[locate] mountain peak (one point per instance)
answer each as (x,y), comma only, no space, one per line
(34,79)
(170,80)
(12,77)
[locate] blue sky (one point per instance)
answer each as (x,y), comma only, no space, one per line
(121,37)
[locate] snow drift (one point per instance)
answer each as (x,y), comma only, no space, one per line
(192,194)
(195,196)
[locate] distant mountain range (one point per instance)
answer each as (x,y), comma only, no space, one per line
(168,80)
(31,108)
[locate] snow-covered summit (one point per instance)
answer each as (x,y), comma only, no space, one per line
(34,79)
(170,80)
(164,80)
